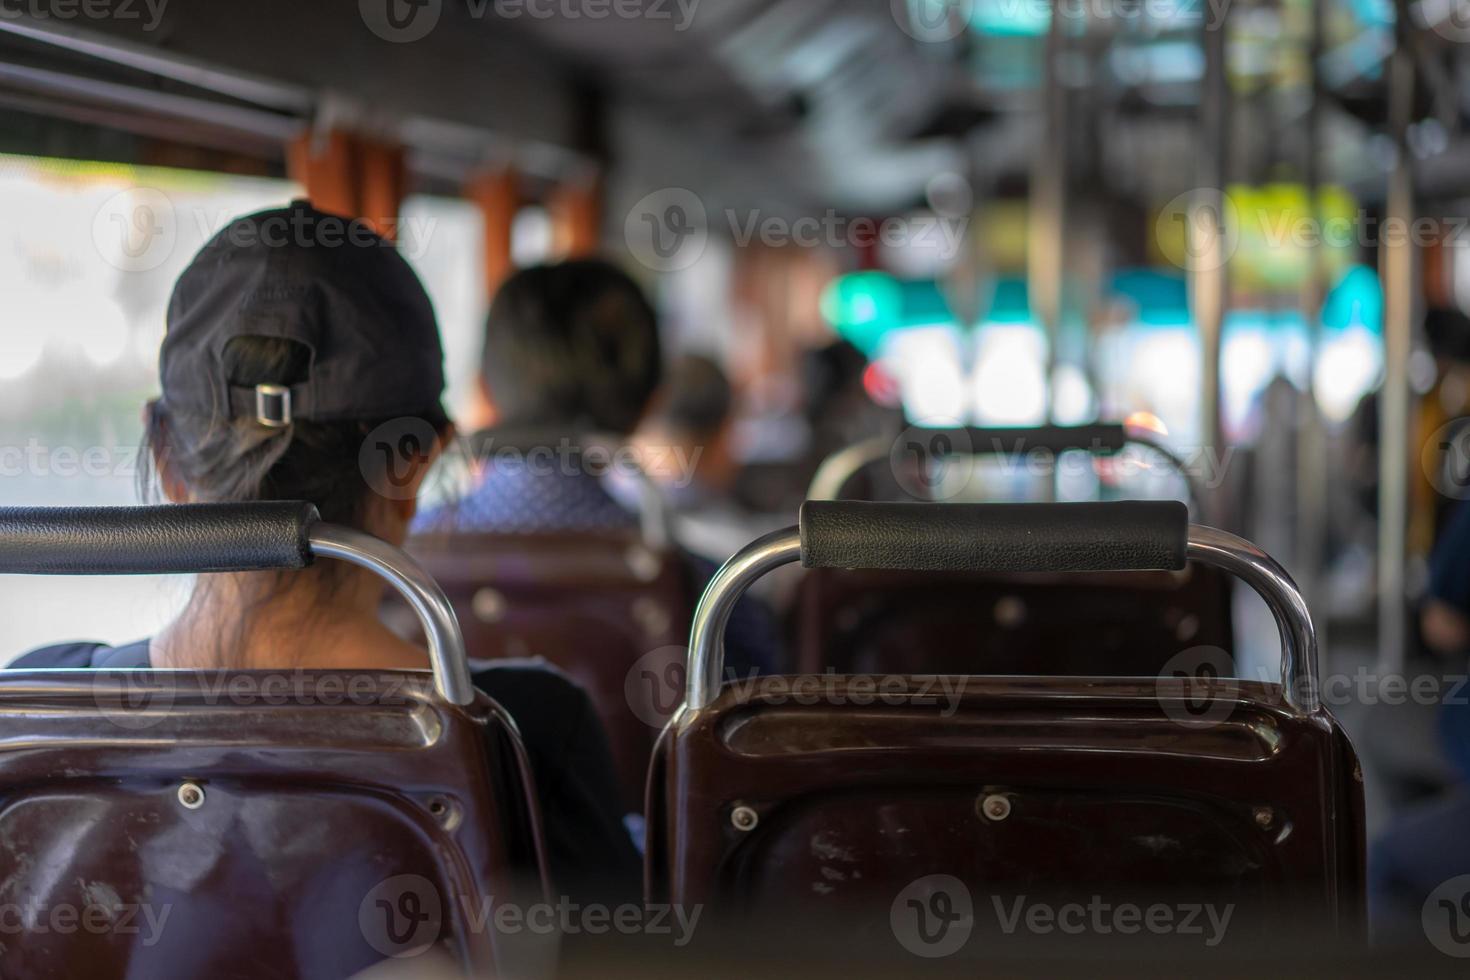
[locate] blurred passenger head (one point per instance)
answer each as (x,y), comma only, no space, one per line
(828,375)
(572,345)
(1448,332)
(687,431)
(292,336)
(696,399)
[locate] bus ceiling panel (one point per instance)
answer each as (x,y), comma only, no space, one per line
(459,71)
(827,94)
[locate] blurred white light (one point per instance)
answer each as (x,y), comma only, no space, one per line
(1460,273)
(1246,363)
(532,237)
(146,342)
(1162,377)
(20,352)
(1347,369)
(926,362)
(97,325)
(1010,376)
(23,336)
(1073,403)
(922,244)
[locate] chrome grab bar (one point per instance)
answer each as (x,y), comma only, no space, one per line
(836,470)
(1210,545)
(441,627)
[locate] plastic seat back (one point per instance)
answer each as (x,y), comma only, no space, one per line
(182,823)
(608,609)
(958,623)
(825,800)
(1003,622)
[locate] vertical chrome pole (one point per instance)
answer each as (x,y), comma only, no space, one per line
(1311,455)
(1046,239)
(1397,270)
(1208,275)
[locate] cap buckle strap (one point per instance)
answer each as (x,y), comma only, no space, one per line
(273,406)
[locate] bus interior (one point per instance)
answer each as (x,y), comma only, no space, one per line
(557,488)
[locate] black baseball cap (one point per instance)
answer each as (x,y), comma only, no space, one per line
(324,281)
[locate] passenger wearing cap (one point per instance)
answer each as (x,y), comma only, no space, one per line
(288,343)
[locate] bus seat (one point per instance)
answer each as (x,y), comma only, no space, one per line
(289,823)
(864,621)
(604,607)
(1102,791)
(818,799)
(183,823)
(1006,623)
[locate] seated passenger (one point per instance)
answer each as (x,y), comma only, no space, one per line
(687,437)
(692,417)
(1427,845)
(346,328)
(570,349)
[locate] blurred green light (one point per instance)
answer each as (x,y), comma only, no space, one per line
(862,307)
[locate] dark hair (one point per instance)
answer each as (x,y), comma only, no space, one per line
(239,460)
(1448,332)
(827,374)
(572,345)
(697,397)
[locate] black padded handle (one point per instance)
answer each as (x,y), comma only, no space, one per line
(179,538)
(1100,438)
(1129,535)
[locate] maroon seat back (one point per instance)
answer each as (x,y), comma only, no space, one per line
(817,802)
(782,809)
(284,823)
(606,608)
(1124,625)
(1002,622)
(251,823)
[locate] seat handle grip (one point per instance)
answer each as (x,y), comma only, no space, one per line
(1130,535)
(201,538)
(1096,437)
(176,538)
